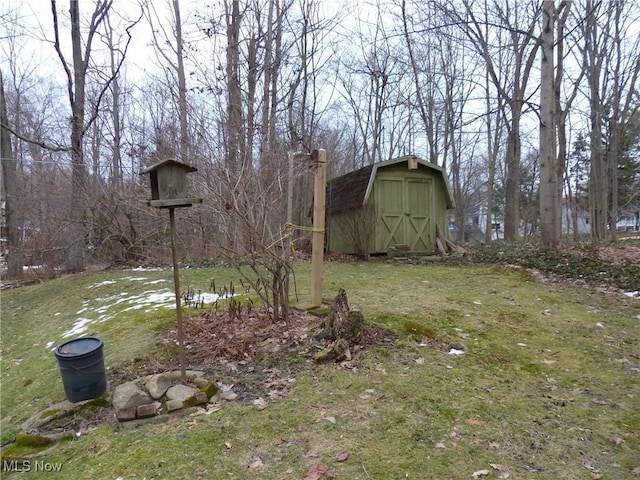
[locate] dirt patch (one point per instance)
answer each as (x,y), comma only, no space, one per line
(248,351)
(259,356)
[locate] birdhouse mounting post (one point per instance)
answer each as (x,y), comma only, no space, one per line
(168,180)
(176,285)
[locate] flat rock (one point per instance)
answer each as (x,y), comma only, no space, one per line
(158,385)
(129,395)
(146,410)
(210,388)
(125,414)
(181,392)
(198,399)
(200,381)
(172,405)
(190,374)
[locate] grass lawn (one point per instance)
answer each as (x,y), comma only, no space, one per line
(548,386)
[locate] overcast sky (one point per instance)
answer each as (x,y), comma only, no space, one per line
(34,48)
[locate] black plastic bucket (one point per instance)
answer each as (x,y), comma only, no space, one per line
(81,364)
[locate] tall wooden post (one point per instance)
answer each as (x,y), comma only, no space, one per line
(176,284)
(317,253)
(290,190)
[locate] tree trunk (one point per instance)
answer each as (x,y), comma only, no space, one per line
(512,188)
(75,252)
(15,256)
(598,173)
(561,114)
(342,327)
(549,205)
(76,90)
(265,144)
(234,128)
(182,86)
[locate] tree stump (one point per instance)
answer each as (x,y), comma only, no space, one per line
(343,328)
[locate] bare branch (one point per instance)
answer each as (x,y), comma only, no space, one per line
(107,85)
(56,44)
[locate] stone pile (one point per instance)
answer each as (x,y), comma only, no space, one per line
(163,393)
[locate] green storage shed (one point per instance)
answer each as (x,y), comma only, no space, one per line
(388,207)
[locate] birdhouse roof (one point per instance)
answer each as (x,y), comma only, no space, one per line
(164,163)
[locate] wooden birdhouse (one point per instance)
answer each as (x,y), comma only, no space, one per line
(169,184)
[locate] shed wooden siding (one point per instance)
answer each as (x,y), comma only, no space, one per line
(409,203)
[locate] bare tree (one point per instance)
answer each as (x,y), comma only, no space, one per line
(173,65)
(593,63)
(519,21)
(11,199)
(570,93)
(621,105)
(246,187)
(549,179)
(304,86)
(611,65)
(371,85)
(494,120)
(77,76)
(234,131)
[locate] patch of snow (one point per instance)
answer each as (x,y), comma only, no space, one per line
(162,296)
(50,345)
(151,299)
(80,326)
(153,282)
(106,282)
(157,298)
(635,294)
(134,307)
(455,351)
(135,279)
(146,269)
(209,297)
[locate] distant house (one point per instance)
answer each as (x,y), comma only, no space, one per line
(388,206)
(474,225)
(574,221)
(629,222)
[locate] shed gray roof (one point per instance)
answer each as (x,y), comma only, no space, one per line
(350,191)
